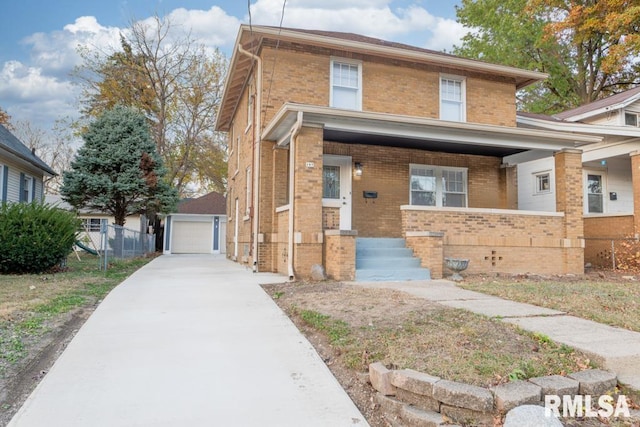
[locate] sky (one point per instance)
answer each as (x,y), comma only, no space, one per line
(39,38)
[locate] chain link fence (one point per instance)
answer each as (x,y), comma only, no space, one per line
(611,252)
(117,242)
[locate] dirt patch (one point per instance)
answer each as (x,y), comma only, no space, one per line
(21,379)
(351,326)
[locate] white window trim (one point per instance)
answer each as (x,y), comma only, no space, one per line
(536,191)
(463,93)
(248,201)
(1,182)
(624,118)
(585,194)
(359,91)
(439,190)
(29,188)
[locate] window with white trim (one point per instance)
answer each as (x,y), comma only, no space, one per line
(27,189)
(452,99)
(595,193)
(2,190)
(92,224)
(346,84)
(250,110)
(249,187)
(542,183)
(631,119)
(438,186)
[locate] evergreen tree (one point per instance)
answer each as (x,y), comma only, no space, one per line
(118,169)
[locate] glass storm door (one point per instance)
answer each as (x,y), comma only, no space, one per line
(336,187)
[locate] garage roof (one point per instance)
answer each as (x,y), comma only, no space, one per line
(209,204)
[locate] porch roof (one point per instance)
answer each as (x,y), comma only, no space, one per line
(359,127)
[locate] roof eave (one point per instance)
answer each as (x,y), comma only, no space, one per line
(522,78)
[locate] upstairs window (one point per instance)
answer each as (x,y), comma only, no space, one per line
(631,119)
(346,85)
(452,99)
(438,186)
(27,188)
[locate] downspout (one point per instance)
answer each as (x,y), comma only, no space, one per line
(292,173)
(255,170)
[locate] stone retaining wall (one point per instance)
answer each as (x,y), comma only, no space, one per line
(411,398)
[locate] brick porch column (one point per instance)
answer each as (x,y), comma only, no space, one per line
(635,180)
(307,202)
(568,164)
(569,188)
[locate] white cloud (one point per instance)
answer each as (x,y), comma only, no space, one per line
(57,52)
(213,27)
(413,25)
(34,96)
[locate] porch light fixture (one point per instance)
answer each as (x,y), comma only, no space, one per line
(358,171)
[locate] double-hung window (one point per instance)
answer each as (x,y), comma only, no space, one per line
(346,84)
(438,186)
(27,188)
(452,99)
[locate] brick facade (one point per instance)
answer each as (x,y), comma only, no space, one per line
(300,73)
(495,241)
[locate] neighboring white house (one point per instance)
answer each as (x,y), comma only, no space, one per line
(22,172)
(610,168)
(199,226)
(608,185)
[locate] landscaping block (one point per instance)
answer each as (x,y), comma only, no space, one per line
(556,384)
(389,405)
(466,416)
(463,395)
(414,381)
(426,403)
(414,417)
(595,382)
(509,395)
(381,379)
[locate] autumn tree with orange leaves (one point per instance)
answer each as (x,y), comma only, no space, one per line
(589,48)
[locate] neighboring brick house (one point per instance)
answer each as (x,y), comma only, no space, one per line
(22,172)
(336,137)
(611,170)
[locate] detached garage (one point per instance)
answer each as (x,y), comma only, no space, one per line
(199,226)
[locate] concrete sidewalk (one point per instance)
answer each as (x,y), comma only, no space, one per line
(616,349)
(189,341)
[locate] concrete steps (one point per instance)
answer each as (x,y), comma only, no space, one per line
(387,259)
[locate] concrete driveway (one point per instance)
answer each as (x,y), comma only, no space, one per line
(189,341)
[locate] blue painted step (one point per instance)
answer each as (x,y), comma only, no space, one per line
(387,259)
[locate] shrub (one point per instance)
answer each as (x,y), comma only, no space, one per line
(34,237)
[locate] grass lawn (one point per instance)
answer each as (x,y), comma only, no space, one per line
(32,304)
(369,325)
(612,302)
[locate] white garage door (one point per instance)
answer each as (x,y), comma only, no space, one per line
(192,237)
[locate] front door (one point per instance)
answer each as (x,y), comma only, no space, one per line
(336,187)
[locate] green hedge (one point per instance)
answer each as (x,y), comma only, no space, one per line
(34,237)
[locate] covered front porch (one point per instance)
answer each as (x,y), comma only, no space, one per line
(446,189)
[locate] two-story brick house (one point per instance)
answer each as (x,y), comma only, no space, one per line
(336,138)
